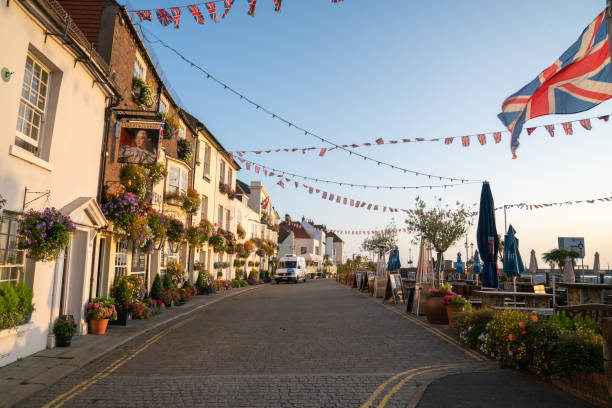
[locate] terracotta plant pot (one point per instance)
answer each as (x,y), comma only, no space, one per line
(98,326)
(450,309)
(435,311)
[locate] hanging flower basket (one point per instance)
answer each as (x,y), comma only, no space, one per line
(143,93)
(224,188)
(196,236)
(184,150)
(191,201)
(122,209)
(217,242)
(44,234)
(175,230)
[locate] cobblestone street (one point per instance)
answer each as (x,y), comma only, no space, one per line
(309,345)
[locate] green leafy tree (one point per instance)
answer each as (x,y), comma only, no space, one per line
(387,237)
(556,257)
(442,225)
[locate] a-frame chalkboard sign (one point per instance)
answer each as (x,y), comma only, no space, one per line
(393,289)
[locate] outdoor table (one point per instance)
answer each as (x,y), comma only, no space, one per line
(497,298)
(584,293)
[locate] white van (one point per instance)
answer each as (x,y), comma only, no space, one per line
(291,268)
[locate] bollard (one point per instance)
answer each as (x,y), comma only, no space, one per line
(606,327)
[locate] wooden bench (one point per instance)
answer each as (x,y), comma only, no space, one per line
(595,311)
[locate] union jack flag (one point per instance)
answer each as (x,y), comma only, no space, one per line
(277,5)
(176,16)
(577,81)
(465,141)
(228,6)
(252,5)
(144,15)
(551,130)
(264,203)
(567,126)
(586,123)
(604,118)
(336,1)
(448,140)
(197,14)
(482,138)
(212,11)
(497,137)
(530,130)
(161,138)
(163,16)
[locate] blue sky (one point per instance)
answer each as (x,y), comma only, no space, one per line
(356,71)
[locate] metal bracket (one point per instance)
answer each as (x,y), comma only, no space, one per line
(65,34)
(96,81)
(76,60)
(46,193)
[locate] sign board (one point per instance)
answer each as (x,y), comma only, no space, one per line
(357,280)
(138,143)
(572,244)
(394,290)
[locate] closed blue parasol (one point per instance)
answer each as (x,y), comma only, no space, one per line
(513,263)
(486,236)
(394,260)
(459,264)
(477,267)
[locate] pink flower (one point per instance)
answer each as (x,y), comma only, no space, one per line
(96,305)
(89,305)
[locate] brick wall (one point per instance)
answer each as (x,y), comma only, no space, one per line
(124,49)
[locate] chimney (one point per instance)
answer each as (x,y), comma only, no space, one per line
(287,218)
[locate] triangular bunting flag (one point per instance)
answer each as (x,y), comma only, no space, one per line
(176,16)
(448,140)
(567,127)
(196,13)
(604,118)
(252,5)
(497,137)
(465,141)
(144,15)
(228,6)
(586,123)
(163,16)
(530,130)
(212,11)
(551,130)
(277,5)
(482,138)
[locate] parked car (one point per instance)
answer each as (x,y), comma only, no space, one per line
(291,268)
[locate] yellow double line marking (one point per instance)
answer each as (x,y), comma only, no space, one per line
(77,389)
(410,374)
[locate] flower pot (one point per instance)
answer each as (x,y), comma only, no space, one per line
(62,341)
(27,317)
(450,309)
(98,326)
(435,311)
(174,201)
(122,318)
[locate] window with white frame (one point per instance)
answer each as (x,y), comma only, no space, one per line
(140,68)
(229,177)
(177,180)
(168,256)
(121,255)
(220,217)
(222,172)
(32,106)
(204,211)
(227,220)
(206,165)
(163,105)
(139,263)
(12,260)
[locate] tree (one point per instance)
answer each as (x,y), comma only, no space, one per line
(556,257)
(387,237)
(442,225)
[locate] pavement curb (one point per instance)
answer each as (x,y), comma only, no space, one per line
(122,342)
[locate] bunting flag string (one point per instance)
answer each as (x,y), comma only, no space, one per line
(270,171)
(370,232)
(287,122)
(568,128)
(525,206)
(146,15)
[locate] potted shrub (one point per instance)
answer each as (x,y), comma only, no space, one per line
(24,297)
(123,299)
(64,328)
(11,314)
(455,303)
(157,288)
(99,312)
(44,234)
(435,310)
(201,285)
